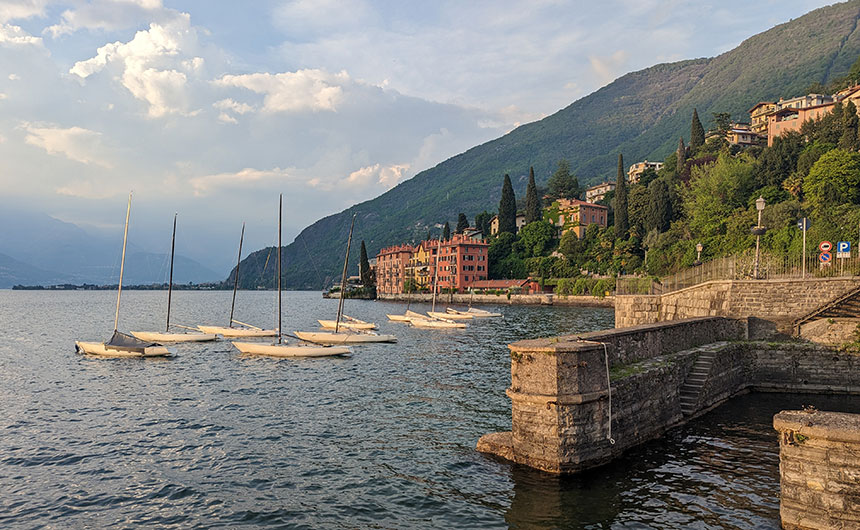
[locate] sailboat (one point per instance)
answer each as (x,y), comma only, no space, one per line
(247,330)
(121,344)
(337,336)
(433,319)
(348,323)
(167,336)
(287,350)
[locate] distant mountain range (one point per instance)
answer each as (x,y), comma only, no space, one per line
(42,250)
(641,115)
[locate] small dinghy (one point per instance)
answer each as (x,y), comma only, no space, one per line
(348,323)
(450,316)
(398,318)
(436,323)
(121,344)
(280,349)
(480,313)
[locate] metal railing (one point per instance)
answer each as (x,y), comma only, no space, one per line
(741,267)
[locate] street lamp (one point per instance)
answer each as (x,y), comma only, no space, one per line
(699,248)
(758,231)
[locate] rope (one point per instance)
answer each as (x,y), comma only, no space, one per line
(608,385)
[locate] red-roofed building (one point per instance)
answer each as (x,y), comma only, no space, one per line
(391,264)
(462,260)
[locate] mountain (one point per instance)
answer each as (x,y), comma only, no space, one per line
(43,244)
(641,115)
(14,272)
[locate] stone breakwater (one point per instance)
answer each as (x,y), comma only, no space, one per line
(569,415)
(819,467)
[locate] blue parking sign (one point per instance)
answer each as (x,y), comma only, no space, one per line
(843,249)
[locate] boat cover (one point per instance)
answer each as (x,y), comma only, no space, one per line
(121,341)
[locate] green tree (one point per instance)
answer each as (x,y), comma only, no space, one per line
(620,205)
(778,161)
(364,270)
(446,232)
(659,215)
(563,185)
(716,191)
(697,133)
(508,208)
(722,122)
(482,222)
(536,239)
(849,138)
(833,180)
(637,207)
(533,206)
(462,223)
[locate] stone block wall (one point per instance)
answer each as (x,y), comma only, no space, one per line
(819,467)
(778,301)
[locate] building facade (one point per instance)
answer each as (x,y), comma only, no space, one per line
(759,115)
(494,223)
(636,170)
(598,192)
(391,267)
(575,215)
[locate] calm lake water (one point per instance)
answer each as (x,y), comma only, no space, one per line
(383,439)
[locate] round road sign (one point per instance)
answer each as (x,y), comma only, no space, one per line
(824,257)
(825,246)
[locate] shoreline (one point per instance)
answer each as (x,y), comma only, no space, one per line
(504,299)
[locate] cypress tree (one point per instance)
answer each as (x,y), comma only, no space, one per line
(364,267)
(533,206)
(462,224)
(697,133)
(682,153)
(508,208)
(621,214)
(446,232)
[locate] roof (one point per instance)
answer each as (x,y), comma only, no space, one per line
(600,185)
(577,202)
(760,103)
(498,284)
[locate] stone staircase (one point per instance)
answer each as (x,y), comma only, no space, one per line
(692,387)
(844,306)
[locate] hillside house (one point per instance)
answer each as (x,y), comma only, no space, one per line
(598,192)
(575,215)
(636,170)
(494,223)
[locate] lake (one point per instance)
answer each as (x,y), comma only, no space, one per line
(382,439)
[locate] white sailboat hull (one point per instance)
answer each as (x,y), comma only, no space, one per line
(332,324)
(326,337)
(452,316)
(238,332)
(398,318)
(102,349)
(290,350)
(431,323)
(480,313)
(154,336)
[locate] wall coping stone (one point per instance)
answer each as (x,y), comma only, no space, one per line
(832,426)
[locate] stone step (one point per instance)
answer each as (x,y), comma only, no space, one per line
(697,381)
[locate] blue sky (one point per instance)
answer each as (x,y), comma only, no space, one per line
(212,107)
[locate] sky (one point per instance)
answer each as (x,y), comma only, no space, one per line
(210,108)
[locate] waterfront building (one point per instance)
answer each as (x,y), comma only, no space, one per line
(391,264)
(418,269)
(636,170)
(494,223)
(576,215)
(462,261)
(598,192)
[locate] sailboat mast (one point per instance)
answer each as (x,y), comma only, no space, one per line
(236,280)
(343,277)
(280,220)
(170,285)
(122,263)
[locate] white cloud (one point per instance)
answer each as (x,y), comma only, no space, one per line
(226,105)
(207,184)
(15,36)
(75,143)
(87,189)
(607,69)
(143,64)
(21,9)
(388,176)
(108,15)
(293,91)
(14,77)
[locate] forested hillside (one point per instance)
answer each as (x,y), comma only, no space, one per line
(641,115)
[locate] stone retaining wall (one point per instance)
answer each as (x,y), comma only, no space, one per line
(503,299)
(778,301)
(560,394)
(819,468)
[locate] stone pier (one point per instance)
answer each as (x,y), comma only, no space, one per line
(562,419)
(819,467)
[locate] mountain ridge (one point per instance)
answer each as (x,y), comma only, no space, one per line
(641,114)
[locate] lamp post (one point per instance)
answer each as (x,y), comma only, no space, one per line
(699,248)
(758,231)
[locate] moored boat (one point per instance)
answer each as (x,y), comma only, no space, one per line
(291,350)
(328,337)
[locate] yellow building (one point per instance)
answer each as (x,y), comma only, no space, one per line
(418,269)
(636,170)
(759,115)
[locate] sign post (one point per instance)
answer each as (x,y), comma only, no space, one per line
(843,252)
(803,224)
(825,258)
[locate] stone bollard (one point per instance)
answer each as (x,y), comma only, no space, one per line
(819,467)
